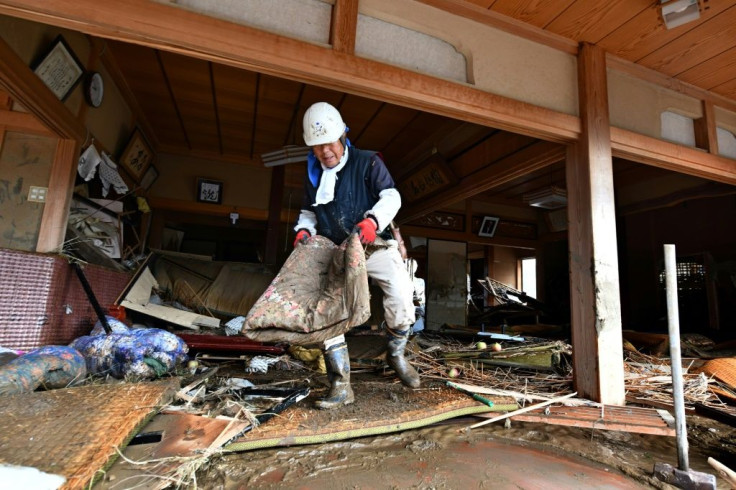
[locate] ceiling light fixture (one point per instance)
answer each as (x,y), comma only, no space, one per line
(548,198)
(678,12)
(287,154)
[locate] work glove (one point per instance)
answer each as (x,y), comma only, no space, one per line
(367,230)
(301,237)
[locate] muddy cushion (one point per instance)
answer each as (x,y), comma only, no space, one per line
(319,293)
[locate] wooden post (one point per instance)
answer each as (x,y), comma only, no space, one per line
(594,284)
(274,213)
(59,197)
(706,136)
(344,26)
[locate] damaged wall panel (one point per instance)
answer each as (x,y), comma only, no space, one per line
(46,304)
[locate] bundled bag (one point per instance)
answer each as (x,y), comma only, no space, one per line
(54,366)
(140,352)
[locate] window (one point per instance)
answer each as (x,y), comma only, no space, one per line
(529,276)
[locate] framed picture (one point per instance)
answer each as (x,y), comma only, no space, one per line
(149,177)
(59,69)
(137,156)
(209,191)
(488,226)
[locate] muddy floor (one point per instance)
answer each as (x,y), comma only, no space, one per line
(440,456)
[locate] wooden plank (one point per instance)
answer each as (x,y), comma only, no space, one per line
(59,197)
(646,32)
(592,20)
(532,12)
(456,236)
(344,26)
(504,23)
(700,43)
(594,285)
(610,417)
(167,27)
(537,156)
(713,72)
(497,146)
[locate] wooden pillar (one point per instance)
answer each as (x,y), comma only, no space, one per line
(344,26)
(594,283)
(706,136)
(59,197)
(275,203)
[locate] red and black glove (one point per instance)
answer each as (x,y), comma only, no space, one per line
(367,230)
(301,237)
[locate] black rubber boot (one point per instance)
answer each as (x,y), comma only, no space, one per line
(338,372)
(395,358)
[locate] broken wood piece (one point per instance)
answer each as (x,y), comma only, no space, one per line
(492,391)
(724,471)
(522,410)
(182,394)
(138,298)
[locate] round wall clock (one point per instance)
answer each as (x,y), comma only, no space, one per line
(94,89)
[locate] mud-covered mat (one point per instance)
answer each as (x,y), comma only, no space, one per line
(73,432)
(377,410)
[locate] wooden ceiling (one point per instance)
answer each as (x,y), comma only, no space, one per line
(215,111)
(701,53)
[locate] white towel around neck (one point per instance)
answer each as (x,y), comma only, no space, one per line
(326,189)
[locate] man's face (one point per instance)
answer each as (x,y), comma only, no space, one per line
(329,154)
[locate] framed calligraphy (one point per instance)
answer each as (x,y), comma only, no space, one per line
(59,69)
(137,156)
(209,191)
(432,176)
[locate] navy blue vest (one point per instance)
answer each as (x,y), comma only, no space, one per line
(357,190)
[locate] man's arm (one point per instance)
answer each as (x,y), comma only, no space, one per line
(382,185)
(307,221)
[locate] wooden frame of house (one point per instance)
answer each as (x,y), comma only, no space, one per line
(582,134)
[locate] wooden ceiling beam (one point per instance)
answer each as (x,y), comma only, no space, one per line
(167,27)
(23,121)
(504,23)
(20,82)
(530,159)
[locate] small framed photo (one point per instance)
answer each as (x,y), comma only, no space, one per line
(488,226)
(59,69)
(137,156)
(149,177)
(209,191)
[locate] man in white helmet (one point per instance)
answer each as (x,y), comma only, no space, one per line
(347,189)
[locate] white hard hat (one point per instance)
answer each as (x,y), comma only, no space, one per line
(322,124)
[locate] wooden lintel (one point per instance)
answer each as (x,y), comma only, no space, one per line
(28,90)
(169,28)
(530,159)
(678,158)
(594,284)
(23,121)
(59,196)
(344,26)
(459,236)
